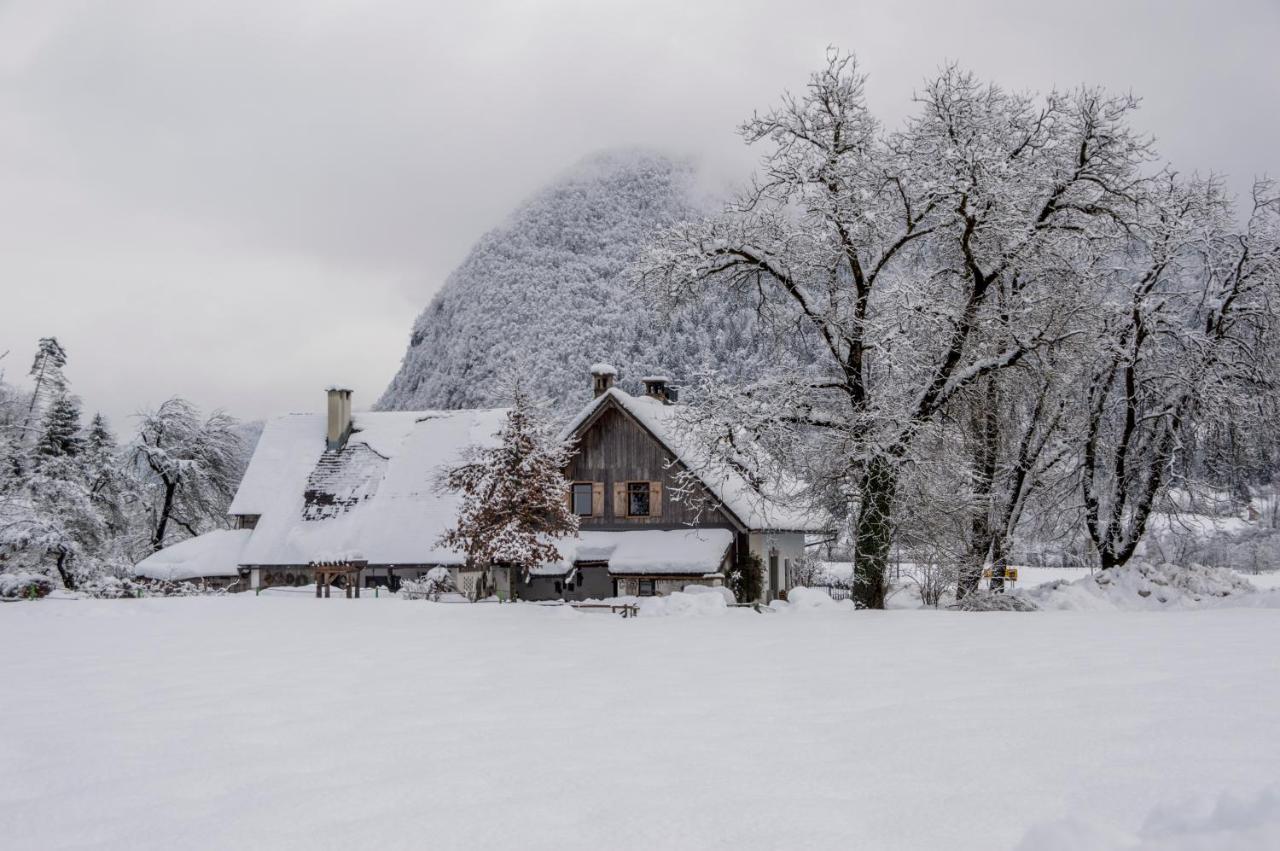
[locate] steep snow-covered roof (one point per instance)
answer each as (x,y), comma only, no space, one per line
(377,496)
(754,509)
(683,552)
(214,553)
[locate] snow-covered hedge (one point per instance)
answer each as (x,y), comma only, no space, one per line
(22,585)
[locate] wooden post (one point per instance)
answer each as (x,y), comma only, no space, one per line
(319,582)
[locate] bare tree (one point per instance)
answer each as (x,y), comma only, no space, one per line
(1185,336)
(188,468)
(911,264)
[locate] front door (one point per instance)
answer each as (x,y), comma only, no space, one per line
(774,585)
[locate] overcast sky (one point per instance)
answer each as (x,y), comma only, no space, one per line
(242,202)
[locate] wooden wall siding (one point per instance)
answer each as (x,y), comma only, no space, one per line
(614,450)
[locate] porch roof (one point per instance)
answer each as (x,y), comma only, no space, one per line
(681,552)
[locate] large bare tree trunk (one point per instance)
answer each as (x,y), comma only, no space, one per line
(68,579)
(985,430)
(874,532)
(166,512)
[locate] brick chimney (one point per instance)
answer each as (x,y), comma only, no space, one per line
(339,417)
(602,377)
(659,387)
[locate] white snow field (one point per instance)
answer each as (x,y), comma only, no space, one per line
(286,722)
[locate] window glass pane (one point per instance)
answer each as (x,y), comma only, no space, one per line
(638,499)
(646,588)
(582,499)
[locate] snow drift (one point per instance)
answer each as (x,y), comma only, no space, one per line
(1139,586)
(1230,823)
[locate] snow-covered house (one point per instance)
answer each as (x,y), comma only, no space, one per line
(362,487)
(652,518)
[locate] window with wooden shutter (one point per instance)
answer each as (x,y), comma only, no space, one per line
(583,497)
(597,499)
(638,499)
(655,499)
(619,499)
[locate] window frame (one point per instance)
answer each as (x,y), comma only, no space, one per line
(573,498)
(653,588)
(642,488)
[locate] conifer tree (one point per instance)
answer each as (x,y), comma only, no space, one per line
(60,432)
(46,372)
(513,494)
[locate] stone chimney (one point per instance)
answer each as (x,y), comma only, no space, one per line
(659,387)
(339,417)
(602,377)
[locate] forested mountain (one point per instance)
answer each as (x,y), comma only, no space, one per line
(543,296)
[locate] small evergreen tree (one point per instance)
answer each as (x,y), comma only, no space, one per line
(60,432)
(513,494)
(746,580)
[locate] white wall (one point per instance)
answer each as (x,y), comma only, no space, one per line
(789,546)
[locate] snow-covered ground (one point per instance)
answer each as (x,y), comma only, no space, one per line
(288,722)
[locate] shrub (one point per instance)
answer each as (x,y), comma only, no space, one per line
(437,582)
(985,601)
(746,580)
(22,585)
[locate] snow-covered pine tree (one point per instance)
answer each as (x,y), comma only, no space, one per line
(111,485)
(513,494)
(46,373)
(60,432)
(50,520)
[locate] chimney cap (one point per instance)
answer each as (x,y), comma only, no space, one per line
(603,369)
(656,379)
(337,388)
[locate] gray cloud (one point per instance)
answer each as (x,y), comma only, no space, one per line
(244,201)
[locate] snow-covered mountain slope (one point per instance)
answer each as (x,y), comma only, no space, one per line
(543,296)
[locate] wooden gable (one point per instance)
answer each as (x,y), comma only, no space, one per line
(615,452)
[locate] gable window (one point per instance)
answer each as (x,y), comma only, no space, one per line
(646,588)
(582,499)
(638,499)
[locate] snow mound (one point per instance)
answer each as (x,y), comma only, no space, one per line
(1229,824)
(721,590)
(1146,586)
(985,601)
(683,604)
(811,600)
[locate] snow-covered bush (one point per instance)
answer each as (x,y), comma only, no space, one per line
(124,587)
(746,579)
(22,585)
(437,582)
(932,579)
(985,601)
